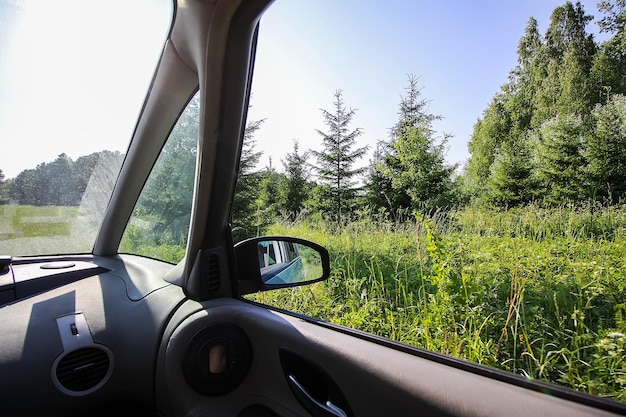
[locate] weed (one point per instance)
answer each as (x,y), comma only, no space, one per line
(535,291)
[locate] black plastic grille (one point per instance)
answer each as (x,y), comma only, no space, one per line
(82,369)
(214,273)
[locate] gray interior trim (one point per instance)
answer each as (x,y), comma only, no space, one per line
(376,380)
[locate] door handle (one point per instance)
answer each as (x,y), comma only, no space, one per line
(315,407)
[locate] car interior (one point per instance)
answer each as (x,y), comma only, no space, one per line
(109,333)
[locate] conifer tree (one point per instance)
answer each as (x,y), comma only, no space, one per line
(605,150)
(296,185)
(247,188)
(386,165)
(336,161)
(410,169)
(560,162)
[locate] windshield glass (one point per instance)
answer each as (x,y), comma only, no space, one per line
(73,77)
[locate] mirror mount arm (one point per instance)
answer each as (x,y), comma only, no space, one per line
(248,273)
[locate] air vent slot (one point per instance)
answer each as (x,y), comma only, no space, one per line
(214,273)
(82,371)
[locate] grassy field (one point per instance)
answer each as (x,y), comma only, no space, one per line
(30,230)
(28,221)
(537,292)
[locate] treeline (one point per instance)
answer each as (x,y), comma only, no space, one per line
(408,171)
(554,134)
(556,131)
(61,182)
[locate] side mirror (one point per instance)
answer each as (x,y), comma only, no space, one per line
(271,262)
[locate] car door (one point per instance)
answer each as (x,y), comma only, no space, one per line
(128,334)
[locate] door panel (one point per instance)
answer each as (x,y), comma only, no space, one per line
(375,379)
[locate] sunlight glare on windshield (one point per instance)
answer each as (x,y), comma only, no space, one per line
(73,77)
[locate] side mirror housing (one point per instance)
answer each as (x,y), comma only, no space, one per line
(271,262)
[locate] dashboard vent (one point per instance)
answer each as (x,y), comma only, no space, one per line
(214,273)
(83,369)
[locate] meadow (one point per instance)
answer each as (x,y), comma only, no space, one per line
(534,291)
(537,292)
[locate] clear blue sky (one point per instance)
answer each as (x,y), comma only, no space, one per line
(461,50)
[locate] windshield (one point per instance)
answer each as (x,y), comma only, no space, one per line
(73,77)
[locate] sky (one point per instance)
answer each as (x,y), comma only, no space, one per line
(63,70)
(461,51)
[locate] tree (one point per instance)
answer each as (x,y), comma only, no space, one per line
(413,163)
(548,96)
(511,182)
(609,69)
(423,172)
(614,20)
(49,184)
(336,160)
(247,187)
(490,133)
(560,162)
(570,52)
(505,124)
(605,150)
(270,201)
(167,197)
(296,185)
(379,188)
(386,164)
(4,198)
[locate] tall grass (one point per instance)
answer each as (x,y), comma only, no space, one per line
(538,292)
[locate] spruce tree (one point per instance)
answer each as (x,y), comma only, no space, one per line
(415,164)
(296,184)
(384,189)
(560,162)
(511,181)
(336,160)
(605,150)
(247,188)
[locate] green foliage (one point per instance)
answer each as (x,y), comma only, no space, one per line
(297,188)
(135,241)
(409,171)
(163,211)
(535,291)
(61,182)
(605,150)
(4,198)
(540,137)
(511,182)
(614,20)
(271,198)
(424,174)
(336,160)
(247,188)
(560,163)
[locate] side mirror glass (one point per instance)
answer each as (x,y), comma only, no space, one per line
(266,263)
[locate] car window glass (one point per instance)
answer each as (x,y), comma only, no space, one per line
(463,165)
(73,77)
(159,225)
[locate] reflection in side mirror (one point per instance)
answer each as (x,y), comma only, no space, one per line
(277,262)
